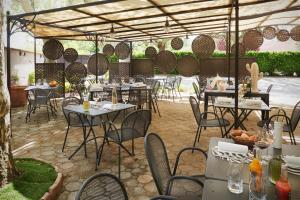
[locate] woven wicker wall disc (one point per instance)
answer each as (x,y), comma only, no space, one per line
(53,49)
(188,65)
(177,43)
(166,61)
(70,55)
(295,33)
(108,50)
(75,72)
(150,52)
(283,35)
(242,49)
(269,33)
(203,46)
(122,50)
(102,64)
(253,39)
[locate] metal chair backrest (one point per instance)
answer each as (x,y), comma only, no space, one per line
(178,81)
(196,90)
(158,161)
(71,117)
(156,88)
(196,110)
(295,116)
(269,88)
(140,78)
(102,186)
(41,96)
(138,121)
(137,95)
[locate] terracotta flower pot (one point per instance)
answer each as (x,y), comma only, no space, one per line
(18,96)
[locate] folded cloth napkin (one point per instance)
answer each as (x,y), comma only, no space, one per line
(232,148)
(224,100)
(292,161)
(253,102)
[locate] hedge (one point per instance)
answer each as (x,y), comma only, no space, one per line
(272,62)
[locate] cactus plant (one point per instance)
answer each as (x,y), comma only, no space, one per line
(255,75)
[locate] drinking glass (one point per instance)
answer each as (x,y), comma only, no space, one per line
(96,96)
(235,179)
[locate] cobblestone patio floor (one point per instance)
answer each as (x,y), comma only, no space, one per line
(40,138)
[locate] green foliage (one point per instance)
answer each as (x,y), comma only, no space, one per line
(272,62)
(67,87)
(33,182)
(31,78)
(113,59)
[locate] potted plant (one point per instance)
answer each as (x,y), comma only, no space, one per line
(18,95)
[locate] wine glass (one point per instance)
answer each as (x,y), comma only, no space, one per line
(266,139)
(96,96)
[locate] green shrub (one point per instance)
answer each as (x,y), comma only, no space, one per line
(31,78)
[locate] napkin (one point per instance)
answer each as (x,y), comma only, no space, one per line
(232,148)
(253,102)
(292,161)
(224,100)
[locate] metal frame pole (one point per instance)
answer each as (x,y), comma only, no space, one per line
(96,42)
(130,62)
(229,49)
(8,63)
(34,57)
(236,63)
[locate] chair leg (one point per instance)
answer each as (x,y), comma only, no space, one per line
(199,134)
(65,139)
(84,140)
(173,94)
(48,113)
(222,131)
(157,108)
(132,146)
(153,106)
(196,136)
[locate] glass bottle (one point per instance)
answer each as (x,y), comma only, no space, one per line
(114,96)
(86,103)
(275,166)
(283,187)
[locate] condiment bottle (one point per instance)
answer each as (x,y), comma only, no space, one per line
(283,187)
(275,166)
(114,96)
(278,127)
(86,103)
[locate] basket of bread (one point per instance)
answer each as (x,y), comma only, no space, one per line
(244,138)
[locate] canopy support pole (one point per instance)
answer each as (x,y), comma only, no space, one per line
(236,66)
(229,48)
(96,44)
(8,64)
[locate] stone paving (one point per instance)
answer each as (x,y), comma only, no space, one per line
(40,138)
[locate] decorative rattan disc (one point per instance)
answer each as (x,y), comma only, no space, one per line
(108,50)
(166,61)
(151,52)
(122,50)
(70,55)
(242,49)
(283,35)
(269,33)
(102,64)
(75,72)
(177,43)
(253,39)
(295,33)
(187,65)
(203,46)
(53,49)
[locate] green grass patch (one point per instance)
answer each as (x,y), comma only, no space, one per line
(33,182)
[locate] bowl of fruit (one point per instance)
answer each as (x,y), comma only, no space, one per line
(53,83)
(244,138)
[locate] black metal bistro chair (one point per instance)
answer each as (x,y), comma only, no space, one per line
(167,182)
(177,85)
(290,122)
(134,125)
(197,92)
(78,120)
(204,122)
(155,97)
(169,87)
(138,96)
(102,186)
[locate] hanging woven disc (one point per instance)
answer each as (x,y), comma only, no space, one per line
(242,49)
(177,43)
(187,65)
(295,33)
(283,35)
(166,61)
(108,50)
(269,33)
(122,50)
(53,49)
(70,55)
(75,72)
(253,39)
(151,53)
(203,46)
(102,64)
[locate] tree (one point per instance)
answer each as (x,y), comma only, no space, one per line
(7,169)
